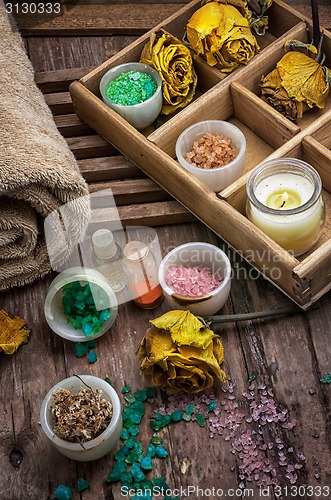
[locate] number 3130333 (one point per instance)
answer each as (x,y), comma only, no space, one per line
(33,7)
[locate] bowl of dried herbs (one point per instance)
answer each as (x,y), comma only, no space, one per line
(81,416)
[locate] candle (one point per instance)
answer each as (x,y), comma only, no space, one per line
(284,201)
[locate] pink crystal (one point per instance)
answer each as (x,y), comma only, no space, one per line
(192,281)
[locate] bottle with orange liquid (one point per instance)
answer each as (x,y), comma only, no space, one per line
(142,275)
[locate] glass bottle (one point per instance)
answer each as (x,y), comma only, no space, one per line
(107,258)
(142,275)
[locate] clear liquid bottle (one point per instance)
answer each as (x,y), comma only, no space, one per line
(142,275)
(107,258)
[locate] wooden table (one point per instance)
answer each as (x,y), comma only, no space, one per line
(288,355)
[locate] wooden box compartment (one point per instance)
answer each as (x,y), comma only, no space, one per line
(268,134)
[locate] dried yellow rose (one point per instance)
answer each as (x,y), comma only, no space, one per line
(222,35)
(297,84)
(181,354)
(173,61)
(13,332)
(255,16)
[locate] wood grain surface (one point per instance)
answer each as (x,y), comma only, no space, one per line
(289,354)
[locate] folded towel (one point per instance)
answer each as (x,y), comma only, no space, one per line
(38,173)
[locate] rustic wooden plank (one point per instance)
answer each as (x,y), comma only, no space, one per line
(127,192)
(149,214)
(60,103)
(98,19)
(108,168)
(59,80)
(70,125)
(90,146)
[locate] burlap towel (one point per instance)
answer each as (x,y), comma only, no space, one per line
(38,173)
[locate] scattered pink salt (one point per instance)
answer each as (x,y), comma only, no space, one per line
(192,281)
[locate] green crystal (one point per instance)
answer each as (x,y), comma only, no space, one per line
(127,423)
(124,433)
(140,395)
(212,405)
(138,407)
(92,356)
(82,484)
(126,389)
(326,379)
(161,452)
(177,415)
(120,455)
(156,440)
(163,421)
(137,473)
(80,349)
(132,457)
(146,463)
(186,417)
(130,442)
(133,430)
(118,469)
(63,492)
(91,344)
(126,478)
(136,417)
(151,392)
(200,419)
(190,409)
(151,450)
(130,398)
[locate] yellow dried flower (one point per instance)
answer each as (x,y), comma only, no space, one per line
(13,332)
(297,84)
(181,354)
(222,35)
(173,60)
(256,17)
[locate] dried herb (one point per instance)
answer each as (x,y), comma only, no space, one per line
(81,416)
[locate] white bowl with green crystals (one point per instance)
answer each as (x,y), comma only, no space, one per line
(54,309)
(139,115)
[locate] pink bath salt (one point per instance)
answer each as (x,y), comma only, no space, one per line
(192,281)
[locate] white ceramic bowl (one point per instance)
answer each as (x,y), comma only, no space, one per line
(53,307)
(97,447)
(139,115)
(193,254)
(215,178)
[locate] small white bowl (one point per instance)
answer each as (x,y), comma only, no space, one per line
(194,254)
(215,178)
(139,115)
(53,307)
(97,447)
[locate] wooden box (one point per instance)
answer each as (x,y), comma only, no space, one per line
(269,135)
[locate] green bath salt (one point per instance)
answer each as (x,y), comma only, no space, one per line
(131,88)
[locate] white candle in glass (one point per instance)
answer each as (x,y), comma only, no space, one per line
(284,201)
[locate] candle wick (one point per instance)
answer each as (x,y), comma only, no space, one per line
(284,199)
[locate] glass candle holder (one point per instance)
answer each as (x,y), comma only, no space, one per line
(284,201)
